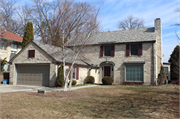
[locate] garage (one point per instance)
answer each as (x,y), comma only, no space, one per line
(134,73)
(33,74)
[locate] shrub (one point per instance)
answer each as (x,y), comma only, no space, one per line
(3,62)
(74,82)
(161,76)
(60,77)
(107,80)
(89,80)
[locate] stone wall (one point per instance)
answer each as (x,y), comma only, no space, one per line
(93,53)
(40,58)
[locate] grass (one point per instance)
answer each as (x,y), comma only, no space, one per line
(100,102)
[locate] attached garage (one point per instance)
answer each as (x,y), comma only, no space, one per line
(134,73)
(33,74)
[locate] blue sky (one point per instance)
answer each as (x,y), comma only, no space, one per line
(113,11)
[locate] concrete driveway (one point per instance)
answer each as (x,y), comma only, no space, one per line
(10,88)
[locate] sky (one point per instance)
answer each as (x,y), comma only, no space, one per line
(113,11)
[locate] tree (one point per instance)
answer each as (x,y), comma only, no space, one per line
(28,34)
(174,60)
(60,77)
(161,76)
(131,22)
(177,24)
(66,20)
(3,62)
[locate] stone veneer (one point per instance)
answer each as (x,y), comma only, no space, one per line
(40,58)
(93,52)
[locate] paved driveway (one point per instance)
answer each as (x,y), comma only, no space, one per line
(10,88)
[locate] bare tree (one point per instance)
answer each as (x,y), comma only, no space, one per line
(131,23)
(65,23)
(177,24)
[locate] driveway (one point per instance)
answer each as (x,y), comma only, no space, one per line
(4,88)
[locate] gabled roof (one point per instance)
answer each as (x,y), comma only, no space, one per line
(10,36)
(122,36)
(56,53)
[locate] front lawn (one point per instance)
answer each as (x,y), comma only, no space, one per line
(94,102)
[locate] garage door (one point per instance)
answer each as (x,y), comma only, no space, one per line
(134,73)
(33,75)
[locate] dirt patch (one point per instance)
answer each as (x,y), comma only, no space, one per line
(62,94)
(169,85)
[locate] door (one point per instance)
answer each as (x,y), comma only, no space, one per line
(107,70)
(33,75)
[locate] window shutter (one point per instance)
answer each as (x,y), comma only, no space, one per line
(127,49)
(101,51)
(69,73)
(77,73)
(140,49)
(112,51)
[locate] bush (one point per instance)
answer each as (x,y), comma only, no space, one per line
(60,77)
(89,80)
(107,80)
(3,62)
(161,76)
(74,82)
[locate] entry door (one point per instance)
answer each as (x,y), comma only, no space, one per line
(107,70)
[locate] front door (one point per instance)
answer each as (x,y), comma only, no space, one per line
(107,70)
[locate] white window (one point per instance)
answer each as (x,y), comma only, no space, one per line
(13,47)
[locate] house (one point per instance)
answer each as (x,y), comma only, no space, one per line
(129,56)
(10,45)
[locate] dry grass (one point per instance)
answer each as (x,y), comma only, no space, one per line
(94,102)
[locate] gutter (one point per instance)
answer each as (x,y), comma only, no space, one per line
(10,40)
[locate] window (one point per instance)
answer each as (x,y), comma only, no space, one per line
(134,49)
(134,73)
(1,45)
(75,73)
(107,50)
(13,47)
(31,53)
(5,46)
(166,70)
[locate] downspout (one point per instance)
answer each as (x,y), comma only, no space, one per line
(154,63)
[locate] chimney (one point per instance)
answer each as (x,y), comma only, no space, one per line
(159,55)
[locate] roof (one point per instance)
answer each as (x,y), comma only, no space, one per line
(56,53)
(122,36)
(10,36)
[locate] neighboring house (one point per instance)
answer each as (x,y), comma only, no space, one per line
(167,70)
(129,56)
(10,45)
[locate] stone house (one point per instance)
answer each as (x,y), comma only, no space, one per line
(129,56)
(10,45)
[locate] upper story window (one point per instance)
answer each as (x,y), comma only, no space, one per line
(31,53)
(107,50)
(3,46)
(133,49)
(13,47)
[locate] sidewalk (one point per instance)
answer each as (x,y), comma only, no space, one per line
(47,89)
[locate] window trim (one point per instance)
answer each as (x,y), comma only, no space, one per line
(134,64)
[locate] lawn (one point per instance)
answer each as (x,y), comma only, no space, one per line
(94,102)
